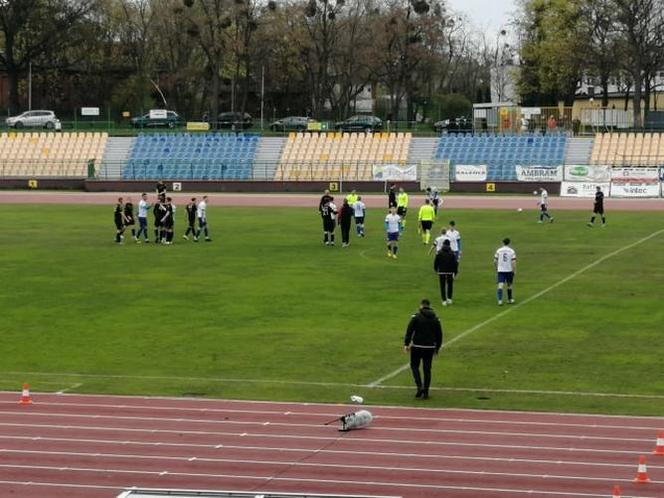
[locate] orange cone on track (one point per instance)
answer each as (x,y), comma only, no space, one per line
(659,448)
(26,399)
(616,491)
(642,472)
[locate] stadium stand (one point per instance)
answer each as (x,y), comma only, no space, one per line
(323,156)
(46,154)
(186,156)
(628,149)
(502,153)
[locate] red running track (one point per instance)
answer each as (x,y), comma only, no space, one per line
(92,446)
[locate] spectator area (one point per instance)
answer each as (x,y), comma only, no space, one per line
(628,149)
(184,156)
(48,154)
(502,153)
(323,156)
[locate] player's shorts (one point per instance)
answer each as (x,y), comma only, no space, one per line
(202,222)
(598,209)
(392,236)
(426,225)
(328,225)
(142,222)
(543,207)
(401,211)
(118,224)
(168,224)
(456,254)
(191,221)
(157,223)
(505,277)
(130,221)
(359,220)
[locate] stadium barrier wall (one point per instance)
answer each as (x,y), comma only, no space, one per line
(42,183)
(503,187)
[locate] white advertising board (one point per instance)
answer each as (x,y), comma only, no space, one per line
(635,182)
(632,190)
(539,174)
(89,111)
(158,114)
(584,173)
(470,172)
(583,189)
(394,172)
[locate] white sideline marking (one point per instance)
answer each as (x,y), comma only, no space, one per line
(547,477)
(67,389)
(291,463)
(511,308)
(448,488)
(314,437)
(338,384)
(333,452)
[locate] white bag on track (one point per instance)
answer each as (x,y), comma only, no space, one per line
(355,420)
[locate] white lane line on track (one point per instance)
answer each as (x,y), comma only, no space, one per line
(547,477)
(70,388)
(568,450)
(327,415)
(312,437)
(291,463)
(416,430)
(508,491)
(512,308)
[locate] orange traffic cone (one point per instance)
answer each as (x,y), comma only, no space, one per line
(616,491)
(659,448)
(26,399)
(642,472)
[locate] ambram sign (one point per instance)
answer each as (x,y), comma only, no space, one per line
(539,173)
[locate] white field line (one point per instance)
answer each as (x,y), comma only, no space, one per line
(318,426)
(507,491)
(546,477)
(70,388)
(291,463)
(512,308)
(335,384)
(317,451)
(327,415)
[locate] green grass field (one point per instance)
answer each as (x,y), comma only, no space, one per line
(267,312)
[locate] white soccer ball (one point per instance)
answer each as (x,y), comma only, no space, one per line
(534,192)
(519,210)
(358,400)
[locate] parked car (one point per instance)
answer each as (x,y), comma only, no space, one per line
(457,125)
(360,123)
(236,120)
(171,120)
(292,123)
(35,119)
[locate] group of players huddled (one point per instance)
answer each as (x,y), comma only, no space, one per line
(163,211)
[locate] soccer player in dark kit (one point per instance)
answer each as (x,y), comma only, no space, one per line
(190,208)
(167,222)
(328,214)
(129,217)
(161,190)
(598,208)
(119,219)
(157,211)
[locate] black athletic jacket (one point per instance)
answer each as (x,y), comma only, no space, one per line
(346,215)
(445,262)
(424,330)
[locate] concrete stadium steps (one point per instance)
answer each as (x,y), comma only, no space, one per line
(579,150)
(422,149)
(267,157)
(116,155)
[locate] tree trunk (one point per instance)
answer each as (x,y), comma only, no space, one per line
(646,99)
(636,101)
(605,90)
(214,97)
(13,77)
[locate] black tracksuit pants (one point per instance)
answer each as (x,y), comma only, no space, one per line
(425,356)
(345,233)
(446,285)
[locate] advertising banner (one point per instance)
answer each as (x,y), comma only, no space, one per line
(583,173)
(539,174)
(394,172)
(89,111)
(583,189)
(470,173)
(635,182)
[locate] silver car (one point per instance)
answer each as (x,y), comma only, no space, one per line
(34,119)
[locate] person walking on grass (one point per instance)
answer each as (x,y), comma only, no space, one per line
(446,267)
(505,263)
(201,214)
(143,207)
(402,207)
(544,206)
(129,220)
(328,213)
(392,231)
(423,340)
(120,221)
(425,217)
(190,209)
(598,208)
(345,222)
(360,211)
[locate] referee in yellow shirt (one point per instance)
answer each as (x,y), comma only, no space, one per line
(402,207)
(425,217)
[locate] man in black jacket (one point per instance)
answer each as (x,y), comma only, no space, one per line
(424,338)
(446,266)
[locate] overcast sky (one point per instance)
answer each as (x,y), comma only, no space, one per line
(485,14)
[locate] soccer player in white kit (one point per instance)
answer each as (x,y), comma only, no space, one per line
(455,240)
(544,206)
(201,214)
(143,207)
(505,261)
(392,229)
(439,241)
(359,212)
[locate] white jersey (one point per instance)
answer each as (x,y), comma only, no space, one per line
(143,207)
(544,196)
(454,236)
(200,209)
(358,209)
(505,258)
(393,221)
(440,240)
